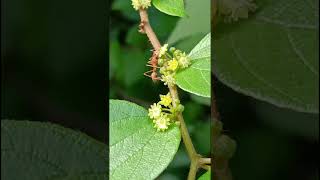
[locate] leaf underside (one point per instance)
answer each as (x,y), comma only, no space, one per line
(274,55)
(36,150)
(137,150)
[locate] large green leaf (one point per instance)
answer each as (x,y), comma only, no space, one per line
(171,7)
(205,176)
(196,22)
(274,55)
(35,150)
(137,150)
(196,78)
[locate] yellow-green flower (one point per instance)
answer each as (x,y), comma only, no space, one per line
(141,4)
(163,50)
(162,122)
(155,111)
(184,61)
(169,79)
(166,100)
(172,65)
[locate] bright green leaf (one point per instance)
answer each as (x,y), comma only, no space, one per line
(196,78)
(137,150)
(205,176)
(274,55)
(171,7)
(48,151)
(197,21)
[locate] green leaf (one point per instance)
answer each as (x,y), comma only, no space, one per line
(201,100)
(47,151)
(188,43)
(205,176)
(274,55)
(137,150)
(197,21)
(196,78)
(171,7)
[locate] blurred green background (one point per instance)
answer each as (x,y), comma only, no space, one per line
(54,63)
(129,53)
(272,142)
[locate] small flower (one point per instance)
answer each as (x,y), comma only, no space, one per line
(155,111)
(163,50)
(141,4)
(161,61)
(162,122)
(168,79)
(184,61)
(166,100)
(172,64)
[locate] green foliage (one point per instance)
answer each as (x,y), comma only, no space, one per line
(205,176)
(32,148)
(136,148)
(196,78)
(201,100)
(197,21)
(272,55)
(171,7)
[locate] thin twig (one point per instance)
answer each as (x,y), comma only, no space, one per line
(193,170)
(205,160)
(146,28)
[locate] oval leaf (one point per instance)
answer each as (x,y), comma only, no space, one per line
(196,78)
(46,151)
(171,7)
(273,56)
(137,150)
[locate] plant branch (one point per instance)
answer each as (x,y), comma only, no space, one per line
(146,28)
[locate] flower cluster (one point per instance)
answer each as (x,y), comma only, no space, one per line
(163,113)
(141,4)
(170,62)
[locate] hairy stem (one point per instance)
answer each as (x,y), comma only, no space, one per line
(146,28)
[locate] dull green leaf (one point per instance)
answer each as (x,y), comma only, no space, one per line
(196,78)
(171,7)
(196,22)
(137,150)
(48,151)
(274,55)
